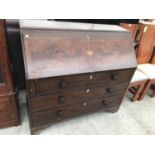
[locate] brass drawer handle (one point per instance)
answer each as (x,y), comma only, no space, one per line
(114,77)
(62,84)
(61,99)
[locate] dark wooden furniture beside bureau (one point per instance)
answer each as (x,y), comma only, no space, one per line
(8,107)
(15,52)
(73,69)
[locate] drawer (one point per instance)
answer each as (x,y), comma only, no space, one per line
(113,77)
(39,103)
(45,117)
(57,84)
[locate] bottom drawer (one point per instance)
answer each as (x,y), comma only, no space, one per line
(8,111)
(48,116)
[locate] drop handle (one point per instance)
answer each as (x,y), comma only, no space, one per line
(61,99)
(62,84)
(109,90)
(60,113)
(114,77)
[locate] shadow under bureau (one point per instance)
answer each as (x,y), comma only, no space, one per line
(74,68)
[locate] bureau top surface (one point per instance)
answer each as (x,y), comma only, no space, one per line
(52,52)
(44,24)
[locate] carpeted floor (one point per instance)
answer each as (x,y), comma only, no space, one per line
(132,118)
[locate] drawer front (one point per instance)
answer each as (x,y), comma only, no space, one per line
(57,84)
(114,76)
(45,102)
(45,117)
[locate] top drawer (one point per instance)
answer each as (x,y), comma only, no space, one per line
(63,83)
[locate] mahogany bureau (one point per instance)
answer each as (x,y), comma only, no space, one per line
(73,69)
(9,115)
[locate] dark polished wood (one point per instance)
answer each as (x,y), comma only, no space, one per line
(50,115)
(74,96)
(6,82)
(61,50)
(74,69)
(8,107)
(14,43)
(8,111)
(62,83)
